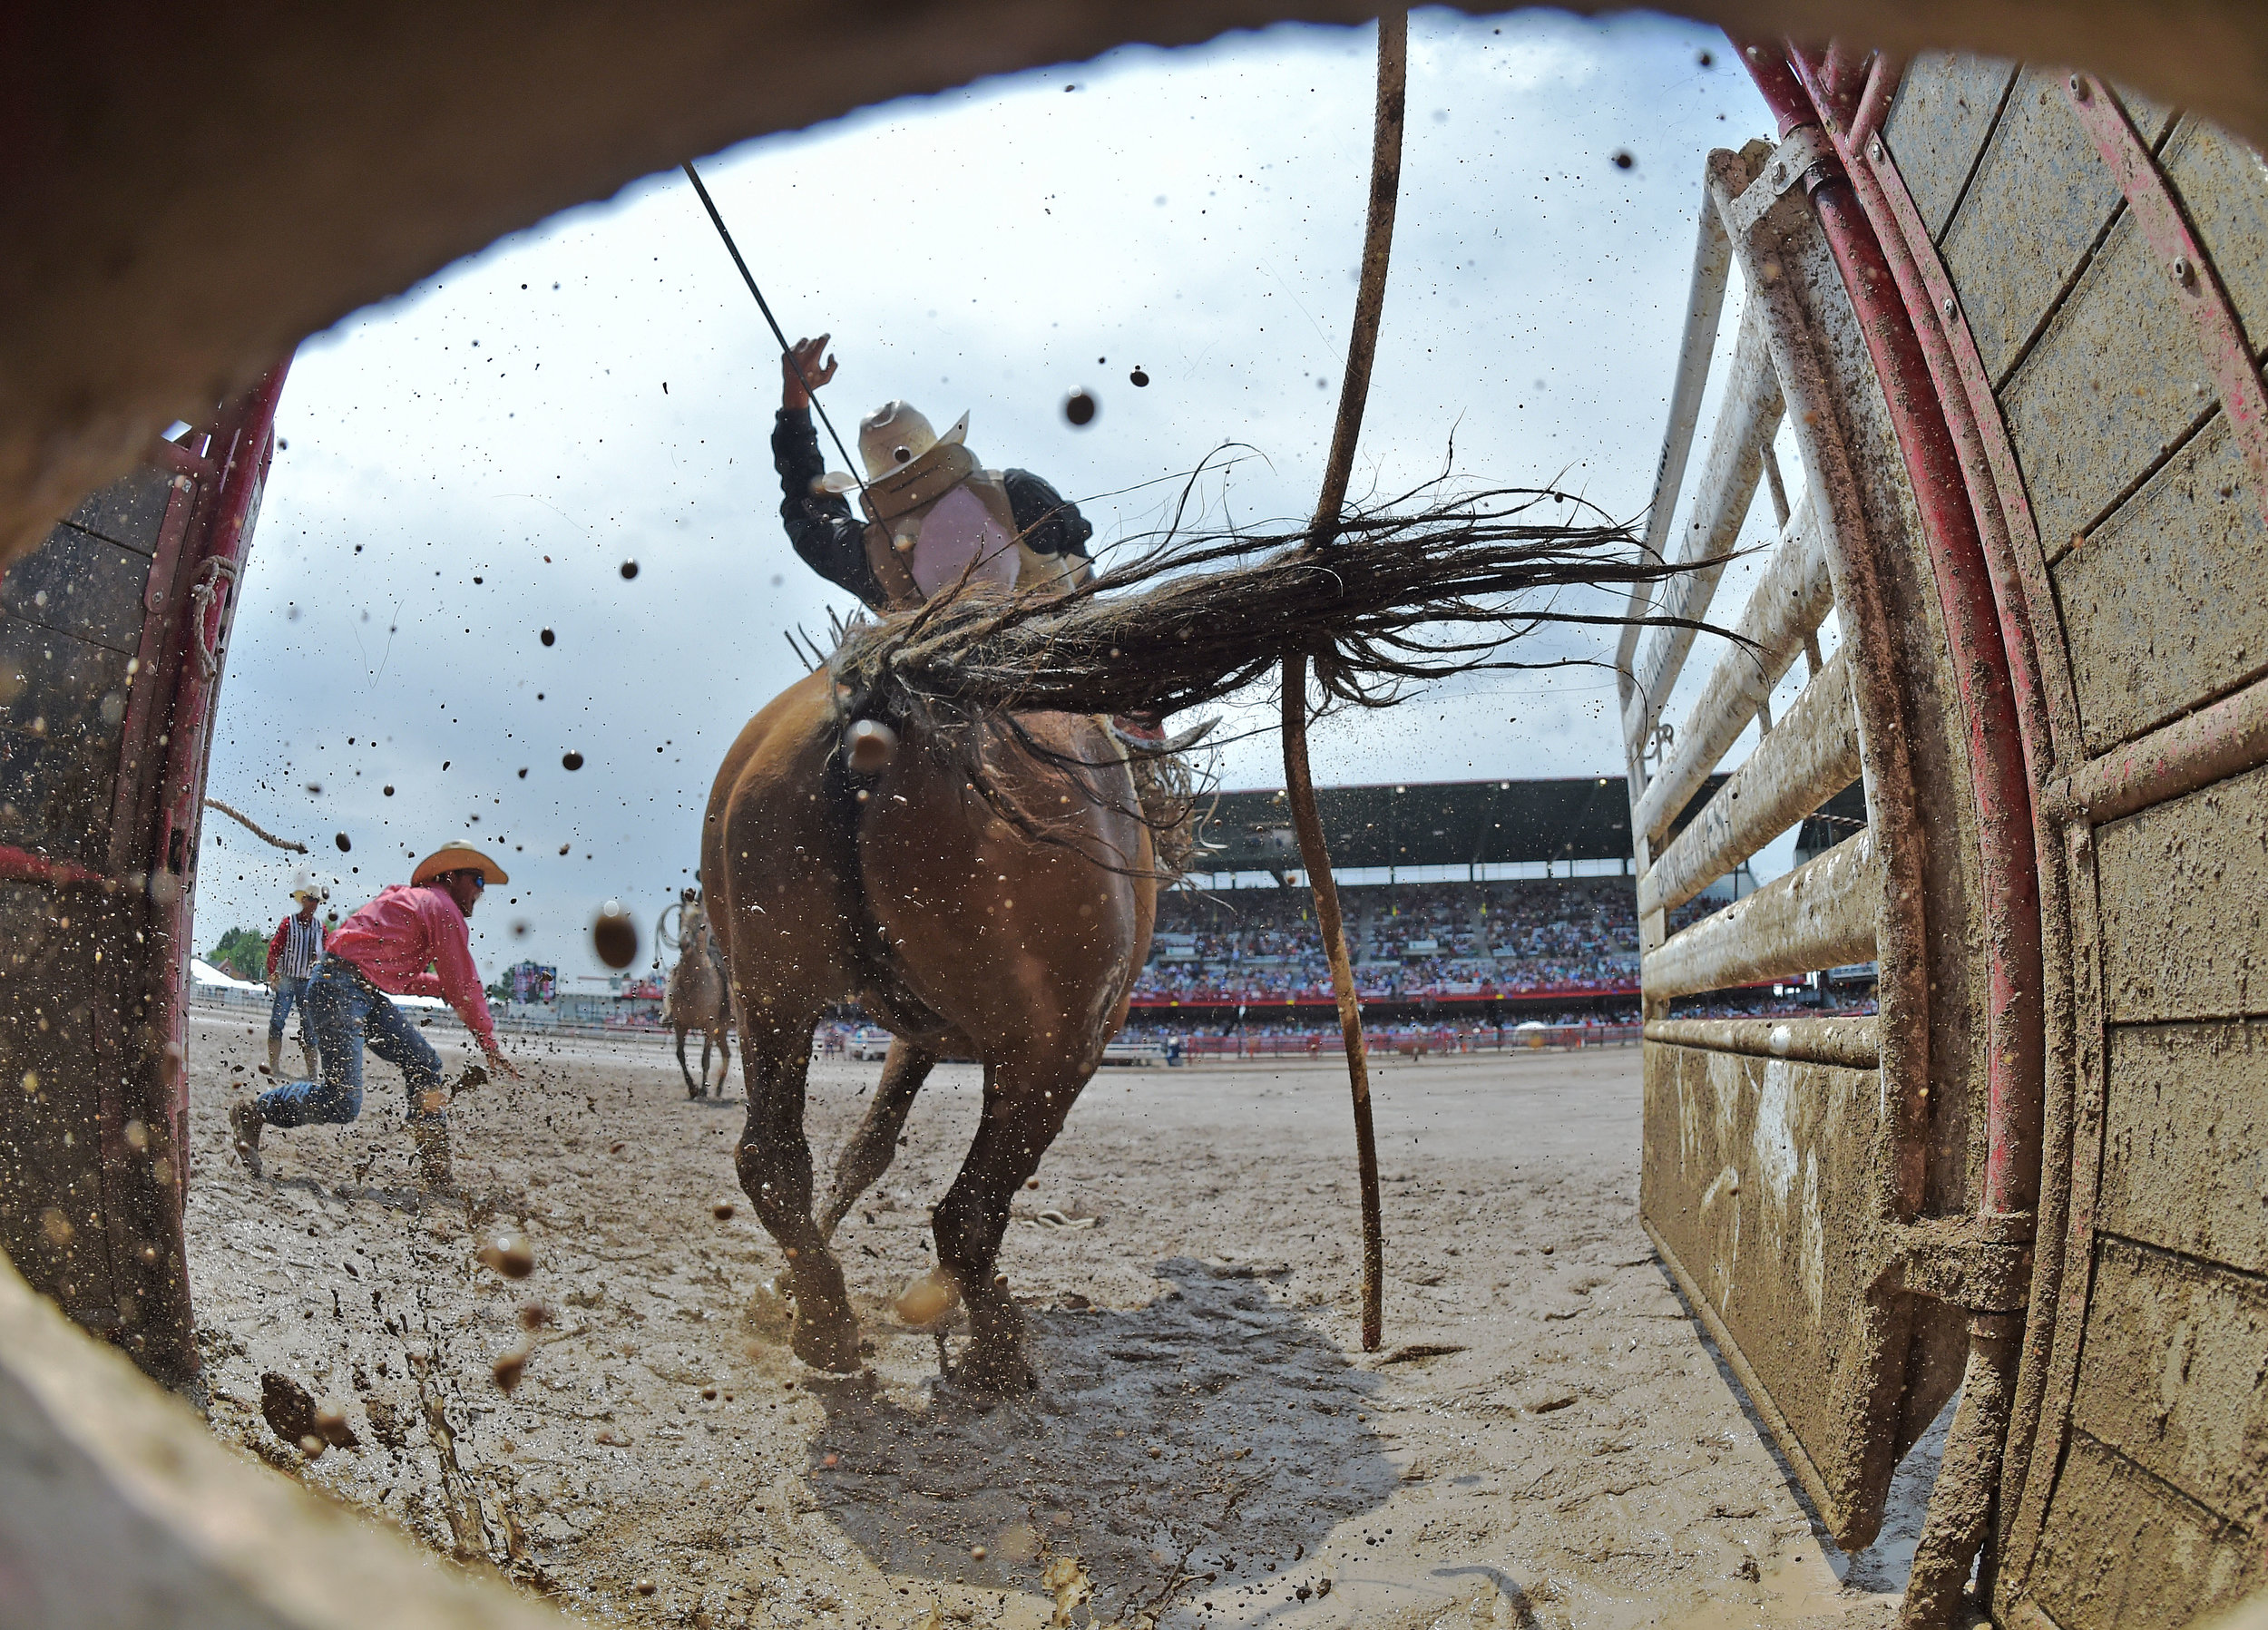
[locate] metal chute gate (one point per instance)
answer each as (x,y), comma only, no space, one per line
(114,636)
(2011,320)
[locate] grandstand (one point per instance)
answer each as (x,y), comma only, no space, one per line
(1542,924)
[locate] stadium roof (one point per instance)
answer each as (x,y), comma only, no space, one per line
(1435,824)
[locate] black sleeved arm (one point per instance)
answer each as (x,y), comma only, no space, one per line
(820,525)
(1050,522)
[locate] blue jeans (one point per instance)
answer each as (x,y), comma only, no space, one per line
(349,1011)
(288,991)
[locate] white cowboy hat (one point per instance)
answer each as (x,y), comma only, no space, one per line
(306,886)
(896,433)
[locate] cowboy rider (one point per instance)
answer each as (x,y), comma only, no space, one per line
(933,515)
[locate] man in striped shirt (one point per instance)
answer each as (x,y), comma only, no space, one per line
(293,951)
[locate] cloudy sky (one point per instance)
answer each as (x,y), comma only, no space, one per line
(474,463)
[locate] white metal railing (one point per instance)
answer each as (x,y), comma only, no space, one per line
(1824,912)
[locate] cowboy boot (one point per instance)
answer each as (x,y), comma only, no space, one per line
(275,1057)
(314,1064)
(244,1122)
(432,1138)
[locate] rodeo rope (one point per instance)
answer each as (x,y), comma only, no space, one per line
(1361,348)
(254,827)
(765,307)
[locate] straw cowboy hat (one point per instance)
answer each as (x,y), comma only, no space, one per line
(896,433)
(457,857)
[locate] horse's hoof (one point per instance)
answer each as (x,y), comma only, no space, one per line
(826,1345)
(993,1373)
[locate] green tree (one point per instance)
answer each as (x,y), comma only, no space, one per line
(242,952)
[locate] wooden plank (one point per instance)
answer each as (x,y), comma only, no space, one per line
(78,583)
(2165,602)
(2185,1140)
(2171,1376)
(128,511)
(1759,1184)
(1851,1043)
(2224,188)
(1937,128)
(2038,204)
(2184,906)
(2123,1549)
(1820,915)
(1808,756)
(2114,385)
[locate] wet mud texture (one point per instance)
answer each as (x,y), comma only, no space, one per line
(1545,1439)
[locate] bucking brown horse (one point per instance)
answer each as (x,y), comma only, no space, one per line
(696,998)
(905,889)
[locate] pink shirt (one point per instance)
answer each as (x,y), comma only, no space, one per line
(394,938)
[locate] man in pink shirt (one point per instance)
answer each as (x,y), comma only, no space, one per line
(388,946)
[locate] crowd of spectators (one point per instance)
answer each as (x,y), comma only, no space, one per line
(1408,940)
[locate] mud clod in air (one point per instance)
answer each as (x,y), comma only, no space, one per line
(629,570)
(872,745)
(1081,408)
(570,761)
(1139,379)
(344,841)
(614,936)
(722,1211)
(548,638)
(510,1365)
(295,1417)
(1623,159)
(509,1254)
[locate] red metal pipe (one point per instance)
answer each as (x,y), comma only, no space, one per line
(1783,92)
(2046,715)
(21,865)
(1842,77)
(242,443)
(1881,85)
(2015,1046)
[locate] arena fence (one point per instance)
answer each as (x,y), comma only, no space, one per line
(1320,1043)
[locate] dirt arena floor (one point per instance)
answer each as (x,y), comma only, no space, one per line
(1545,1439)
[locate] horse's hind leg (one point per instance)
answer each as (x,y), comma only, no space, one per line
(724,1060)
(867,1155)
(773,1160)
(1024,1108)
(708,1045)
(691,1089)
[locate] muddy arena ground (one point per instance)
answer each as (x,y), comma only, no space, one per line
(1545,1438)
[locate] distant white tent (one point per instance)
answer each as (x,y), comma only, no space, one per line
(205,976)
(201,972)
